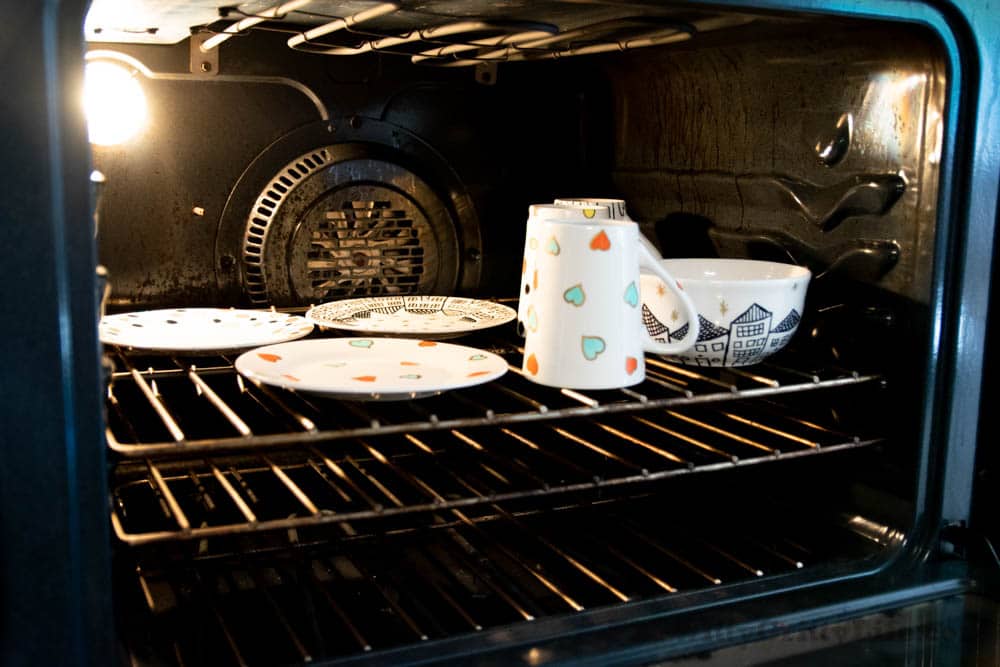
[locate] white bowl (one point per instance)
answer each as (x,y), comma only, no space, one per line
(747,309)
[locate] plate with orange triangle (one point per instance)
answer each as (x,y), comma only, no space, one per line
(370,369)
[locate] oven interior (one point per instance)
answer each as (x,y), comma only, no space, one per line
(260,526)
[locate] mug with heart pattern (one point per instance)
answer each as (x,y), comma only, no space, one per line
(583,322)
(529,268)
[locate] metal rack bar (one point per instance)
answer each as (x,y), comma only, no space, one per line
(537,409)
(145,536)
(412,576)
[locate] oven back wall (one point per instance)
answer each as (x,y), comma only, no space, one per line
(176,200)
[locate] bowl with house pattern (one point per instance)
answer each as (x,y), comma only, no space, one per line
(747,309)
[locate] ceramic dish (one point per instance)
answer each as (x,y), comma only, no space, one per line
(747,309)
(200,330)
(411,316)
(370,368)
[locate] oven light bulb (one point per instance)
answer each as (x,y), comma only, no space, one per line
(114,103)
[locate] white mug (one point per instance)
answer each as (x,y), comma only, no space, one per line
(529,270)
(618,211)
(583,324)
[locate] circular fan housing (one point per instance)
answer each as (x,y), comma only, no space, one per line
(331,225)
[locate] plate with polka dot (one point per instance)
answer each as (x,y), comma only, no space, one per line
(196,331)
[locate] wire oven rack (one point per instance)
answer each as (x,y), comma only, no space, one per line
(263,460)
(187,407)
(369,592)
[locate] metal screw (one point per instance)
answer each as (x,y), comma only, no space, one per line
(206,66)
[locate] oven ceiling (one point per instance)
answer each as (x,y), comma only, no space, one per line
(171,21)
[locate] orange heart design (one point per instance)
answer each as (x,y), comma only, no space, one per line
(532,365)
(534,281)
(266,356)
(524,266)
(426,343)
(365,378)
(600,241)
(631,363)
(291,377)
(408,363)
(477,373)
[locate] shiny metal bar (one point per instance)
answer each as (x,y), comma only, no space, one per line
(591,446)
(392,600)
(206,500)
(546,453)
(720,431)
(215,400)
(760,379)
(520,466)
(329,482)
(681,436)
(640,569)
(576,564)
(161,410)
(299,494)
(577,396)
(321,586)
(154,373)
(810,377)
(232,493)
(641,443)
(777,554)
(282,619)
(168,496)
(536,405)
(684,372)
(351,484)
(757,572)
(769,429)
(673,556)
(307,424)
(375,482)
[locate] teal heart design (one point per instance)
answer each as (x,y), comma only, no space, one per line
(477,357)
(632,294)
(410,376)
(363,343)
(575,295)
(592,346)
(531,319)
(552,247)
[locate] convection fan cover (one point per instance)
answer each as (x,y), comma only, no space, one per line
(329,226)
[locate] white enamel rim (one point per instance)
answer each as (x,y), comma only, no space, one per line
(200,330)
(452,363)
(756,272)
(486,314)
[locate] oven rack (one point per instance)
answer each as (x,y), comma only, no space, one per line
(378,592)
(405,478)
(177,407)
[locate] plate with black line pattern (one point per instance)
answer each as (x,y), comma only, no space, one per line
(415,316)
(200,330)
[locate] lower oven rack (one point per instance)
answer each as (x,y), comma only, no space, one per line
(372,592)
(408,479)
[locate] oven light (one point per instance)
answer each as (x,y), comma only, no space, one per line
(114,103)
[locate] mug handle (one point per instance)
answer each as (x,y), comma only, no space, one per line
(648,261)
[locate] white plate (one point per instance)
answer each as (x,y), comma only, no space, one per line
(201,330)
(420,316)
(370,368)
